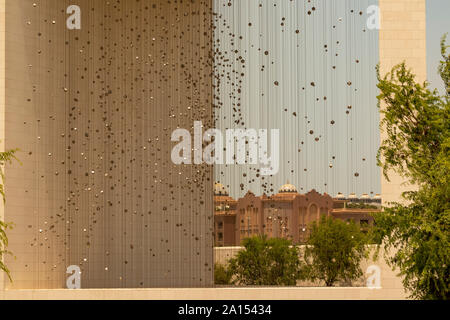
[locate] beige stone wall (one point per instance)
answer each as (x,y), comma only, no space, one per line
(92,112)
(223,254)
(402,38)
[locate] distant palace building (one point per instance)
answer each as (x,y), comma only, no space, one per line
(287,214)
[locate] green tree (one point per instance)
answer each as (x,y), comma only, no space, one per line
(416,122)
(266,262)
(334,251)
(5,157)
(222,274)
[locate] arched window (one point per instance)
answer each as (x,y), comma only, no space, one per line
(313,212)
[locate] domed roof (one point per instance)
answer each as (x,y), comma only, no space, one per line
(287,188)
(219,190)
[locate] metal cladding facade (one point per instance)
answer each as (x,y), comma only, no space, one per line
(92,112)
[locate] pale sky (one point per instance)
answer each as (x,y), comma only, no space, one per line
(438,23)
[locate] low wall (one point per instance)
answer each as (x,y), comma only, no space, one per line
(389,279)
(264,293)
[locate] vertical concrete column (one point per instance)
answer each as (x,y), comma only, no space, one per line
(402,38)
